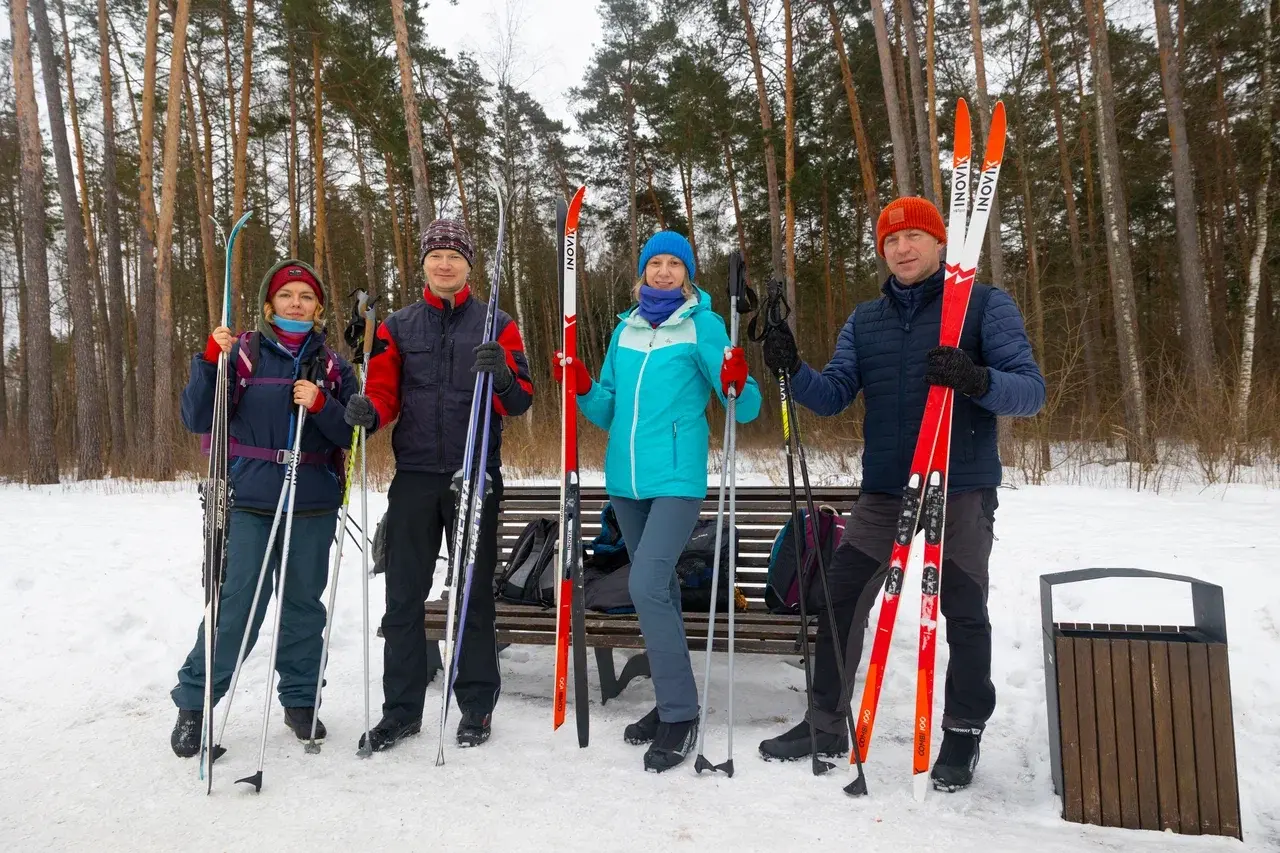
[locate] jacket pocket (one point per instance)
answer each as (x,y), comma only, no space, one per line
(420,362)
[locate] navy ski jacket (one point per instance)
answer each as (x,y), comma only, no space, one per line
(882,351)
(264,417)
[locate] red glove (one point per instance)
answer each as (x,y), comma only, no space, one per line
(581,377)
(733,371)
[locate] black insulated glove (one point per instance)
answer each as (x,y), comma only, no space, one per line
(361,413)
(953,368)
(780,351)
(492,358)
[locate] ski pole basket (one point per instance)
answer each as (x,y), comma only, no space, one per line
(1140,722)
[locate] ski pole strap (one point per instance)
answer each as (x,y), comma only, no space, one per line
(773,313)
(280,457)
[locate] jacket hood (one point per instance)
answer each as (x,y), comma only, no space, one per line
(263,326)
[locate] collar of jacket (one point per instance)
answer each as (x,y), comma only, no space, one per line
(697,302)
(909,300)
(436,302)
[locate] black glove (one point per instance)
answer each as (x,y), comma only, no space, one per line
(780,349)
(953,368)
(492,358)
(361,413)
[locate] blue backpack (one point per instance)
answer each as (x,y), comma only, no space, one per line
(608,551)
(782,587)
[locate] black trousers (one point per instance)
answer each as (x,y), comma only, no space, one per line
(421,508)
(856,577)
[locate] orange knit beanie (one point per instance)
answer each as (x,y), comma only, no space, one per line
(909,212)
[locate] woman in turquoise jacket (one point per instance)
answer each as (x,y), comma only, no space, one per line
(665,359)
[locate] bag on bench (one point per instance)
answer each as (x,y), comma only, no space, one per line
(608,551)
(530,573)
(782,588)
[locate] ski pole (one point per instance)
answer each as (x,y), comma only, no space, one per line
(370,330)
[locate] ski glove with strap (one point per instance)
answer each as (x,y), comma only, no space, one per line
(492,358)
(361,413)
(733,371)
(579,369)
(953,368)
(780,353)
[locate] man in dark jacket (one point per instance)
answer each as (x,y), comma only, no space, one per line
(425,378)
(888,349)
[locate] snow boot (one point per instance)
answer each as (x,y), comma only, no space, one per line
(793,744)
(299,720)
(473,728)
(671,745)
(957,759)
(642,730)
(389,731)
(185,738)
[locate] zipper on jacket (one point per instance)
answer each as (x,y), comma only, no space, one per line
(635,414)
(444,371)
(675,444)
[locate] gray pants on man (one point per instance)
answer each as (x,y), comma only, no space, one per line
(856,576)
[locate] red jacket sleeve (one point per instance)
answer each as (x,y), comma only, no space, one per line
(382,385)
(517,399)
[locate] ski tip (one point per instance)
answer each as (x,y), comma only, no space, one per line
(575,207)
(255,780)
(995,137)
(963,135)
(920,786)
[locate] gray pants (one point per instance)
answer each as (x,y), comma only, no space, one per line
(856,576)
(656,531)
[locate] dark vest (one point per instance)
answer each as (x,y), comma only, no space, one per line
(893,342)
(436,385)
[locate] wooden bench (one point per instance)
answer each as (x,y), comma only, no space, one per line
(761,513)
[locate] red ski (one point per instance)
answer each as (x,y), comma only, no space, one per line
(569,608)
(925,491)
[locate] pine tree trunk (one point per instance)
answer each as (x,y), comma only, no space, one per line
(931,86)
(145,296)
(865,163)
(17,223)
(4,378)
(162,454)
(366,220)
(1084,293)
(737,208)
(766,129)
(926,138)
(89,398)
(1244,383)
(632,214)
(292,158)
(1197,333)
(901,149)
(321,236)
(1117,234)
(789,164)
(118,377)
(653,193)
(413,124)
(995,252)
(241,169)
(459,173)
(397,241)
(212,293)
(42,458)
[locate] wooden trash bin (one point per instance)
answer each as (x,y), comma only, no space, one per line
(1140,724)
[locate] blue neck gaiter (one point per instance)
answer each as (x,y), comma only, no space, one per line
(657,305)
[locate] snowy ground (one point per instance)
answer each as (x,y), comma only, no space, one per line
(100,597)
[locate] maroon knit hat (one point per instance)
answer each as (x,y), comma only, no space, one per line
(448,234)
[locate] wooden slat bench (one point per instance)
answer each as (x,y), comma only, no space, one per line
(761,512)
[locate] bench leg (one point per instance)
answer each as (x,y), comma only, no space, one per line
(611,684)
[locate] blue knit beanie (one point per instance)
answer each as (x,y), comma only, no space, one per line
(668,243)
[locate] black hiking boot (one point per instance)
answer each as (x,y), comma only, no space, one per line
(672,743)
(299,720)
(473,728)
(185,738)
(793,744)
(642,730)
(390,731)
(957,759)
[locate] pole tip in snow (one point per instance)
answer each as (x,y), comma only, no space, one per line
(255,780)
(311,747)
(820,766)
(365,750)
(858,787)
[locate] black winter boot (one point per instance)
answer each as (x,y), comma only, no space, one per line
(389,731)
(299,720)
(473,728)
(185,738)
(671,745)
(642,730)
(793,744)
(957,759)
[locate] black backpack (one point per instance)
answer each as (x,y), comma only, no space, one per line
(530,574)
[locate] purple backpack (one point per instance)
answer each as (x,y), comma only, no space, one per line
(782,587)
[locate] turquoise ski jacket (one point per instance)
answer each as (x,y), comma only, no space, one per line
(652,399)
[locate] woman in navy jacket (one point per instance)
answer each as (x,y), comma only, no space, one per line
(282,365)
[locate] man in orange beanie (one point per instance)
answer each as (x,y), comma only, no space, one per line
(888,350)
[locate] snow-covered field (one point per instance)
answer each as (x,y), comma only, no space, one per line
(100,598)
